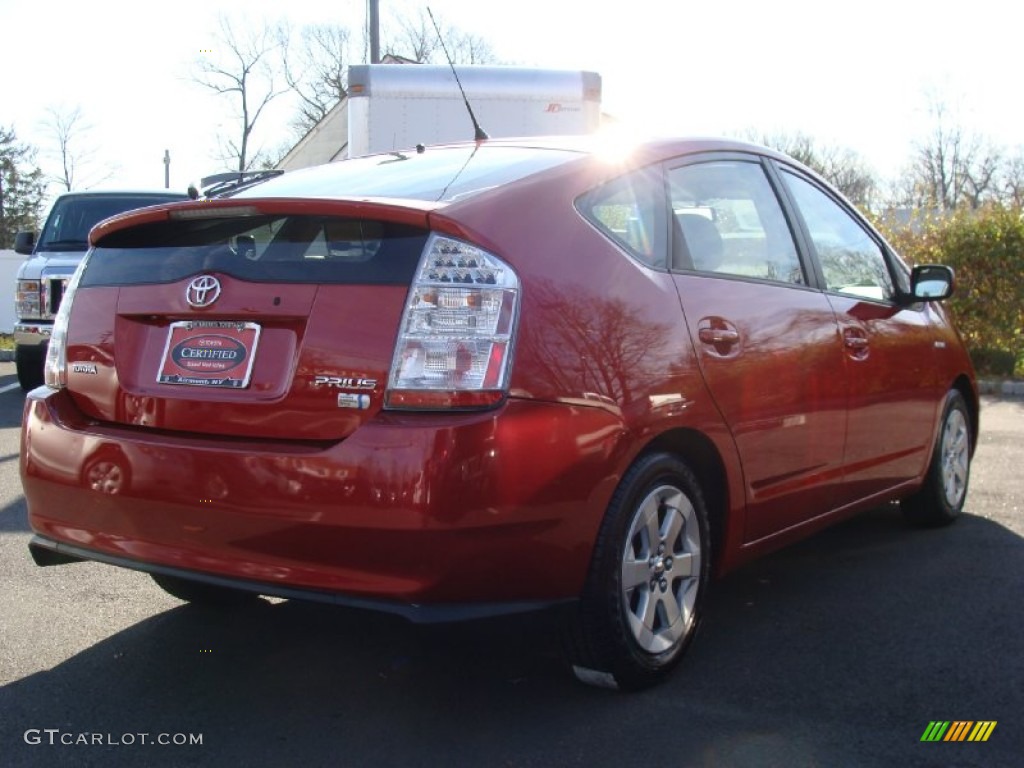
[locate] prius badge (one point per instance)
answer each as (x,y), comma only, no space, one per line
(202,291)
(348,399)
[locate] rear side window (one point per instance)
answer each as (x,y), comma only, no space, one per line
(280,249)
(728,220)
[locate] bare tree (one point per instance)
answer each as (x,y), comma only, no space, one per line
(843,168)
(243,71)
(315,64)
(1011,180)
(316,57)
(414,37)
(951,167)
(467,48)
(982,176)
(69,131)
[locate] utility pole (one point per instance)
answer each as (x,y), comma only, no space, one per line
(3,169)
(374,23)
(167,169)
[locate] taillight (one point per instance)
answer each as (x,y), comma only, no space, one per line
(455,339)
(55,372)
(27,299)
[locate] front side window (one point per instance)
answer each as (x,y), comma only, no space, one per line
(853,263)
(727,220)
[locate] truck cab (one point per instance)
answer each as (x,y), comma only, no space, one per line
(53,256)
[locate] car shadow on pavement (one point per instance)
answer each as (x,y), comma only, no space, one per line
(14,517)
(836,651)
(11,412)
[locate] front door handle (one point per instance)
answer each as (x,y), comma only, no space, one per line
(856,342)
(718,335)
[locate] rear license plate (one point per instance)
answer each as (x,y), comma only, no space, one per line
(209,353)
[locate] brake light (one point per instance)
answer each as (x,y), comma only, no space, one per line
(455,339)
(55,372)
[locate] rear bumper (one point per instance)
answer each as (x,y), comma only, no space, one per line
(412,511)
(48,552)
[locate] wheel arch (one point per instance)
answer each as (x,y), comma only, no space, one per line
(970,394)
(703,457)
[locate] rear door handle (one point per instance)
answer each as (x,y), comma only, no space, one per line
(718,335)
(721,337)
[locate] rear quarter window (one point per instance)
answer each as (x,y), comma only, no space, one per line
(630,211)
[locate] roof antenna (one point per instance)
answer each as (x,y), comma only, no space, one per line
(479,133)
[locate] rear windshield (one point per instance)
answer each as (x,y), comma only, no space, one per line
(279,249)
(438,174)
(67,227)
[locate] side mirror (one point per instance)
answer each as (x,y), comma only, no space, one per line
(24,242)
(931,282)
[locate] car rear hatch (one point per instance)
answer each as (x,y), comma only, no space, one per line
(271,319)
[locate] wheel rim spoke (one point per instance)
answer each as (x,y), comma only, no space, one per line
(641,622)
(687,597)
(683,565)
(671,610)
(651,526)
(675,519)
(635,573)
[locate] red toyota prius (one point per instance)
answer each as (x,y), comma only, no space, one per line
(493,377)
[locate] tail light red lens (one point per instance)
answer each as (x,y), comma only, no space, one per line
(455,339)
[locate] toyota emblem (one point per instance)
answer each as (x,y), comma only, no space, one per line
(202,291)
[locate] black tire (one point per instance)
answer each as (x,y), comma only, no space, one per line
(201,593)
(29,360)
(630,638)
(941,499)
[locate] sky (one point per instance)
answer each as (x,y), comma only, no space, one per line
(855,75)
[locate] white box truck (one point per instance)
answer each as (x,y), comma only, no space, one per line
(393,107)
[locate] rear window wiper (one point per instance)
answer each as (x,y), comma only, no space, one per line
(221,184)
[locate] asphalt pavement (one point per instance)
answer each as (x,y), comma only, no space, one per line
(839,651)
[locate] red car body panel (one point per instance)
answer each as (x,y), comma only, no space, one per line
(299,338)
(408,509)
(272,484)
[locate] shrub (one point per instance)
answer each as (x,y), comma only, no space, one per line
(986,249)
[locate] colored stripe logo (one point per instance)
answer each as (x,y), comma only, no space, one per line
(959,730)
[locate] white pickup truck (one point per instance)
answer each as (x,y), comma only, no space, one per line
(53,256)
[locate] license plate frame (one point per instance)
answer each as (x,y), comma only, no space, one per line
(209,353)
